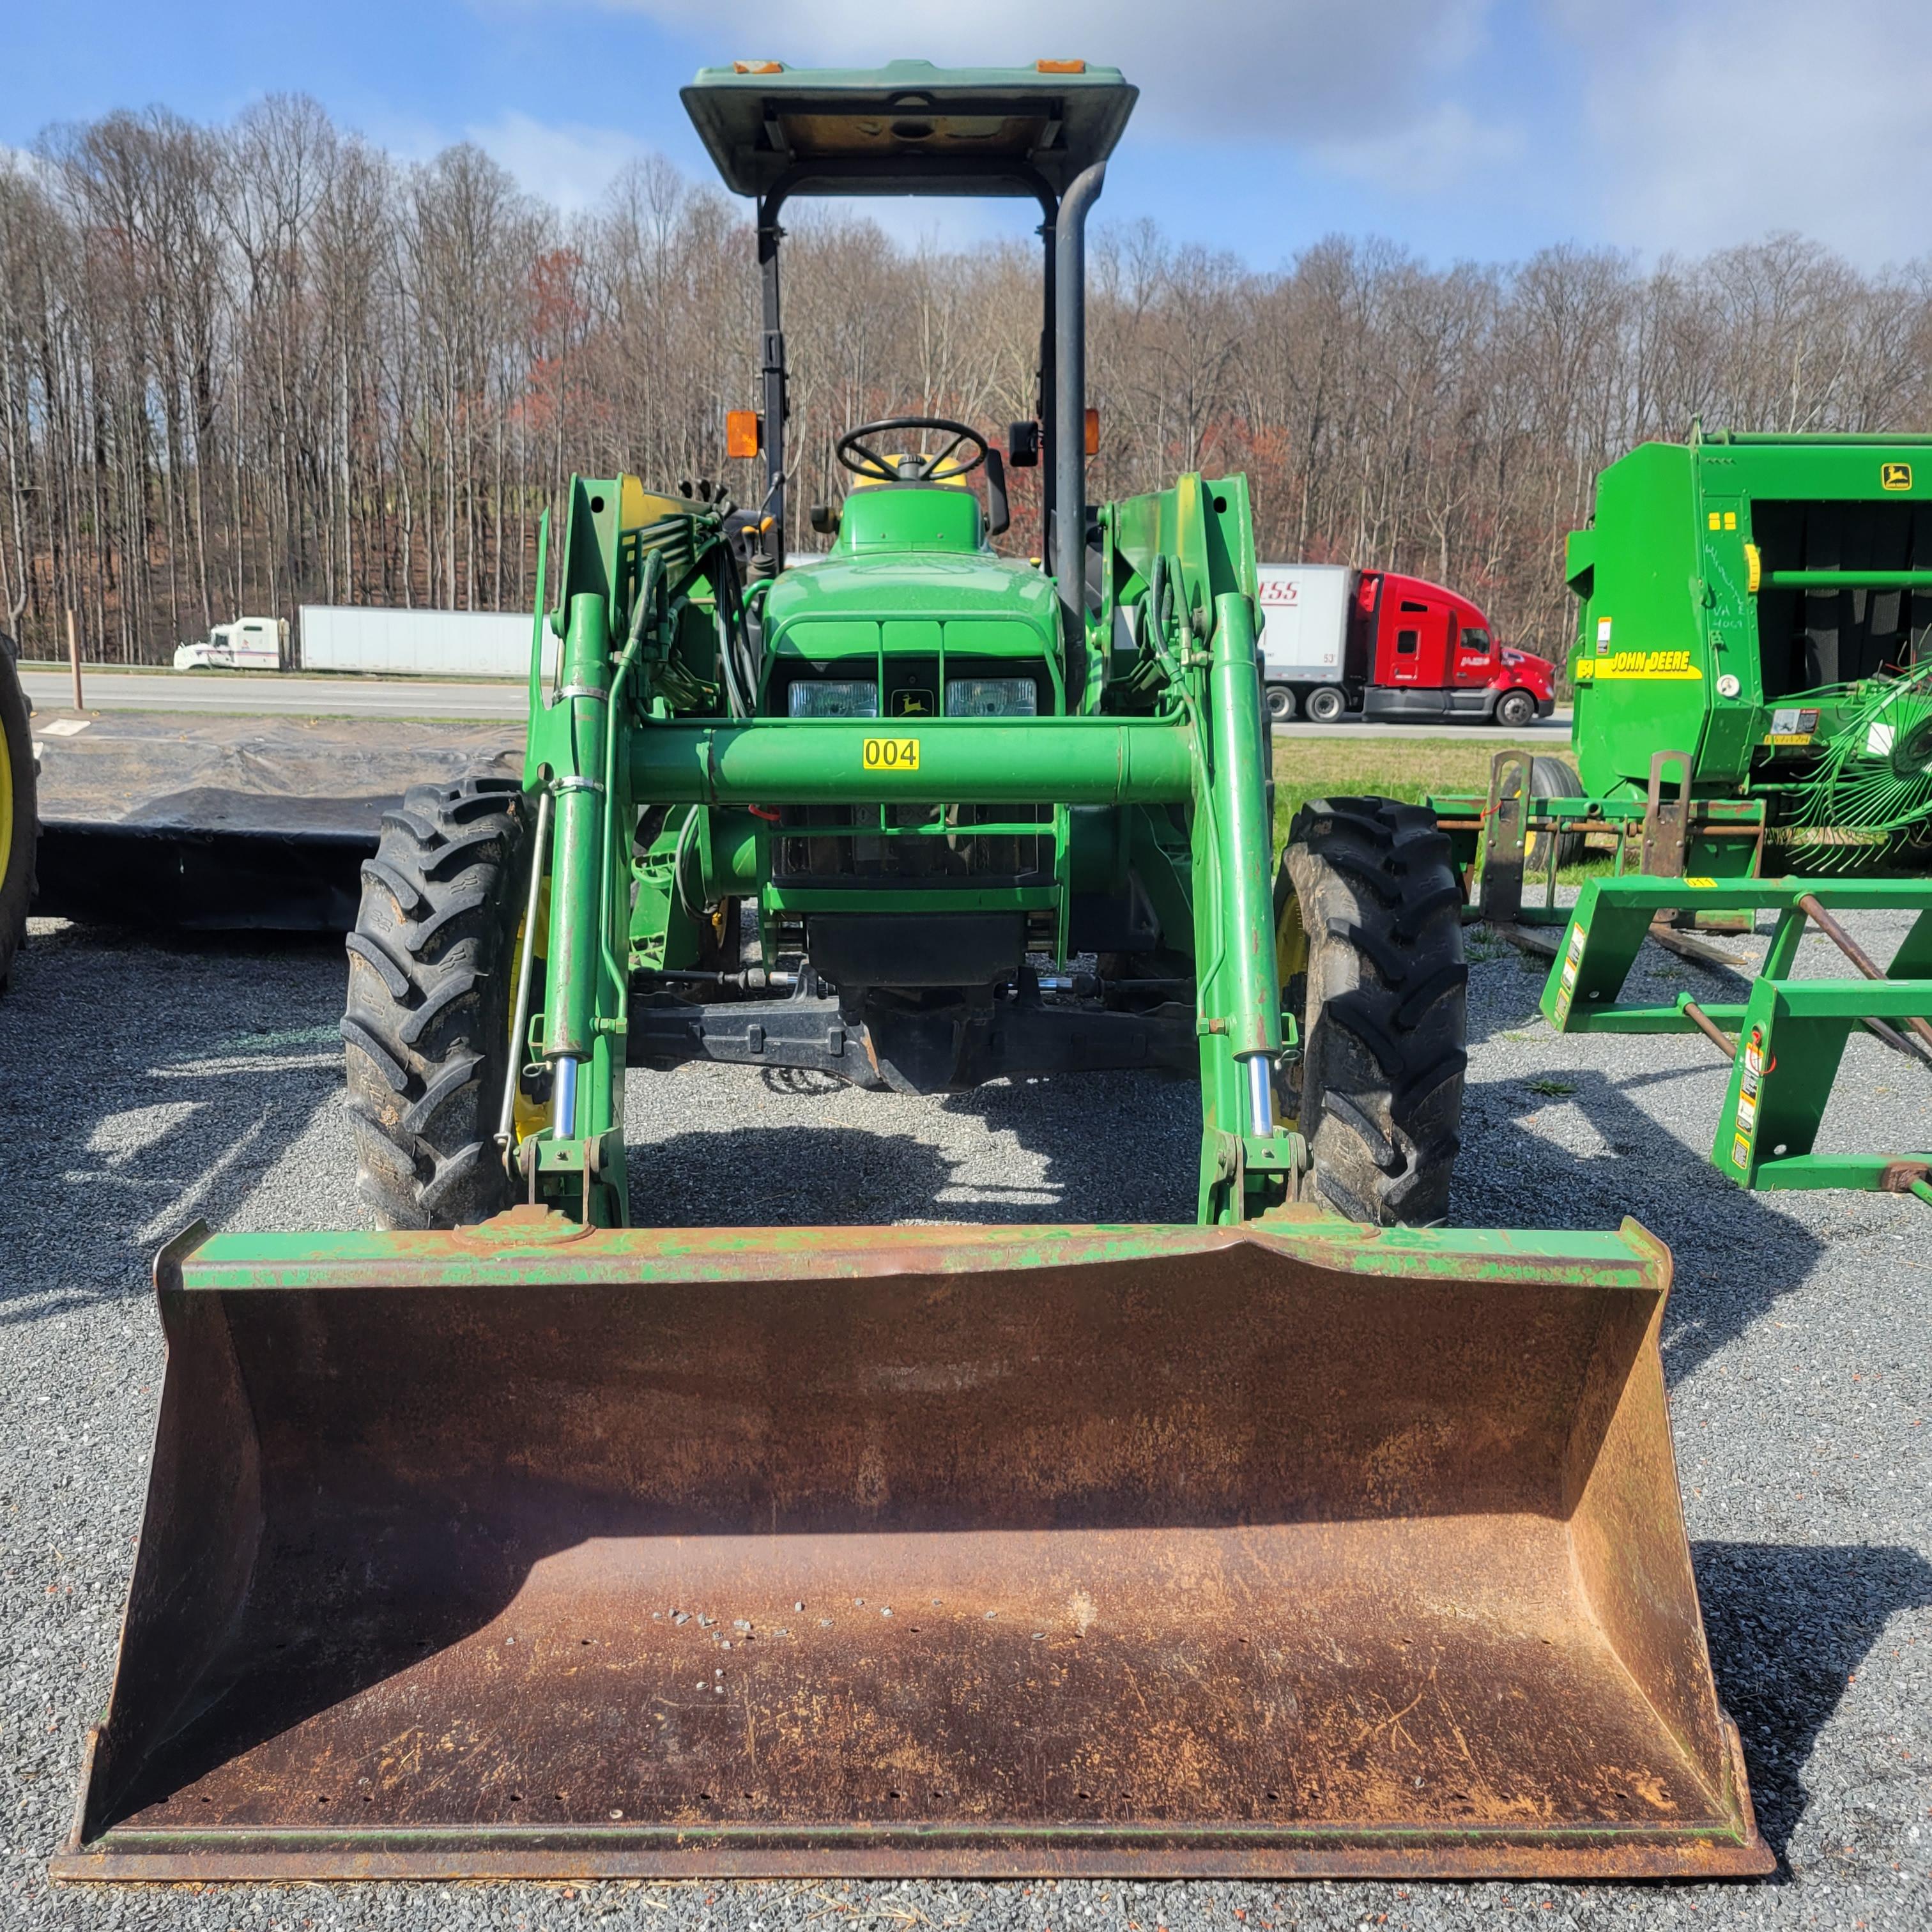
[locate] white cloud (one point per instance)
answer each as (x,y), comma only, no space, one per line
(1715,125)
(1427,155)
(20,161)
(567,163)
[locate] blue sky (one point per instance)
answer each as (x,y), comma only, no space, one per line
(1484,128)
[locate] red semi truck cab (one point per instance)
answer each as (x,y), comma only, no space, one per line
(1376,644)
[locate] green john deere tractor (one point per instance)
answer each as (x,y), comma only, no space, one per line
(524,1538)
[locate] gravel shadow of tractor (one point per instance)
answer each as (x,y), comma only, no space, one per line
(1646,1172)
(197,1075)
(1789,1625)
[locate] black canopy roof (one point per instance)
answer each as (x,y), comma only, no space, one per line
(909,127)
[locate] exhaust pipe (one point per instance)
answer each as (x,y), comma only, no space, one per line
(1069,435)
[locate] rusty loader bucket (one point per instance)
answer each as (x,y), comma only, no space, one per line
(538,1550)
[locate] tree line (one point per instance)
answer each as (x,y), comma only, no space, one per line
(246,367)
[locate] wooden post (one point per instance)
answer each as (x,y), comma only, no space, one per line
(73,658)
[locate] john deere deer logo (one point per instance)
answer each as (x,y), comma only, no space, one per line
(1895,476)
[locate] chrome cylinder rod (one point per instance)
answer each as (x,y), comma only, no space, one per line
(1261,1093)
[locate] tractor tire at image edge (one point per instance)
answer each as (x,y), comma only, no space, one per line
(18,817)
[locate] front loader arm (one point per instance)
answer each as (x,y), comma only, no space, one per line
(633,615)
(1183,559)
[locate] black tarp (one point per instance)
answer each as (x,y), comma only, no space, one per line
(213,823)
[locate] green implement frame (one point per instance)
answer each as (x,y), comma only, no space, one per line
(1513,839)
(1786,1040)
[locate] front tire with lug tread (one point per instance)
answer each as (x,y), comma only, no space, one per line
(1367,903)
(432,966)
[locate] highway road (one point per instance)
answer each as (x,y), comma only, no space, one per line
(239,694)
(1555,730)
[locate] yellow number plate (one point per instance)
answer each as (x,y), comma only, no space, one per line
(891,755)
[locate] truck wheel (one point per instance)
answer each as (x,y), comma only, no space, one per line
(1325,704)
(20,823)
(1366,903)
(1516,709)
(432,967)
(1554,778)
(1280,703)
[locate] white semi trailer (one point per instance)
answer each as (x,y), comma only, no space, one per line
(419,644)
(375,640)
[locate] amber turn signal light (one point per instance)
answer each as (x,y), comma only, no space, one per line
(741,432)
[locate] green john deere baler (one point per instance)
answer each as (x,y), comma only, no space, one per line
(1749,694)
(525,1538)
(1753,721)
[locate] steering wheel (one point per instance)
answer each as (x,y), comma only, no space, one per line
(856,454)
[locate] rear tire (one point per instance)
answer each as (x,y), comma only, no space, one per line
(1325,704)
(1382,1010)
(432,966)
(20,819)
(1280,703)
(1516,709)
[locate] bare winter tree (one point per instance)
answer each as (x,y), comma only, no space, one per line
(246,367)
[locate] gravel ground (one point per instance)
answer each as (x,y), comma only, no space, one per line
(151,1084)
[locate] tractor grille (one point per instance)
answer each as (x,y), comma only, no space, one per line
(909,845)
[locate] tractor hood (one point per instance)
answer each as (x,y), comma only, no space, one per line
(1005,605)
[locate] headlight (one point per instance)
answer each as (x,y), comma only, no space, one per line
(833,697)
(991,698)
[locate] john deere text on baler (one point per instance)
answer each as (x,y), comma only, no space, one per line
(547,1543)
